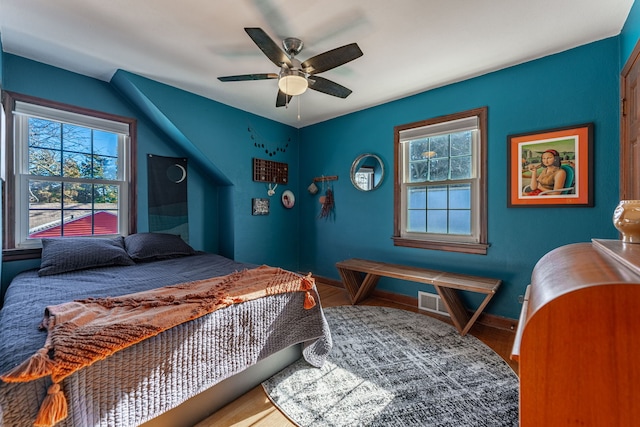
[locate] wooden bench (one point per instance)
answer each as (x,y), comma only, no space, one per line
(361,276)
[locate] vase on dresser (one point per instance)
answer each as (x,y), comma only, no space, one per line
(626,218)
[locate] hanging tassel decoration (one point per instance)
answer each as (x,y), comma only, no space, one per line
(37,366)
(306,285)
(53,408)
(307,282)
(309,301)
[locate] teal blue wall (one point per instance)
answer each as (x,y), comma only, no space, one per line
(214,137)
(1,201)
(630,34)
(1,61)
(573,87)
(33,78)
(218,136)
(570,88)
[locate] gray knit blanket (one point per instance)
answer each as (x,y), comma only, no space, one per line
(143,381)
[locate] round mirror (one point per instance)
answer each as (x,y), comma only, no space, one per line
(367,172)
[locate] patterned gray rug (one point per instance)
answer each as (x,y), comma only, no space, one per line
(390,367)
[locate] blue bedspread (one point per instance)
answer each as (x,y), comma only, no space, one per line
(147,379)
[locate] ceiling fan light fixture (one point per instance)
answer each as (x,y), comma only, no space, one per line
(292,82)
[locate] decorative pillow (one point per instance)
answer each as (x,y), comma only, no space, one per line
(155,246)
(67,254)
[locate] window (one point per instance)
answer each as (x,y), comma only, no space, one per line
(69,172)
(440,188)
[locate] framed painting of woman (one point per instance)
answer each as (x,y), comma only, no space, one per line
(551,168)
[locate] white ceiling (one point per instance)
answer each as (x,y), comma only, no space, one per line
(409,45)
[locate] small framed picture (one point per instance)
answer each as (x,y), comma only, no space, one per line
(260,206)
(288,199)
(551,168)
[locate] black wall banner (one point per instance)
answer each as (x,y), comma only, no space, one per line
(167,189)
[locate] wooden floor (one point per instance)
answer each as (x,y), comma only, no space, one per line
(255,409)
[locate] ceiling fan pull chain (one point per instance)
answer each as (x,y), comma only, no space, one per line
(299,101)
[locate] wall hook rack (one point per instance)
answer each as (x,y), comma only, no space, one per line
(325,178)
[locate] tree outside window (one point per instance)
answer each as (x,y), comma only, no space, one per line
(68,172)
(78,206)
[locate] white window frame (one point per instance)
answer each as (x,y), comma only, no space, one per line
(22,107)
(475,242)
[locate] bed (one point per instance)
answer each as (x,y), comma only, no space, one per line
(146,381)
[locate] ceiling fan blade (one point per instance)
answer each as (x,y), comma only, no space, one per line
(331,59)
(268,47)
(282,99)
(327,86)
(244,77)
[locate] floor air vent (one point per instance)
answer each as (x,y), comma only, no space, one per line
(431,302)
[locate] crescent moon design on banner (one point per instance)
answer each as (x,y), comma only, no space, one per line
(184,174)
(176,173)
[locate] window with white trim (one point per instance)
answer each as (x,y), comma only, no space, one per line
(71,173)
(440,191)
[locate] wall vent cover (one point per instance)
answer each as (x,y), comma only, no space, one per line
(431,302)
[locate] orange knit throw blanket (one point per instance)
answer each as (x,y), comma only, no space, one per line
(83,332)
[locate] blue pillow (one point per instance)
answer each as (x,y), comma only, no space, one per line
(66,254)
(143,247)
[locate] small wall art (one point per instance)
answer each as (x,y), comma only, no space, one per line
(260,206)
(288,199)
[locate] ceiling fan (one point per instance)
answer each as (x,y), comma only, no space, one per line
(295,76)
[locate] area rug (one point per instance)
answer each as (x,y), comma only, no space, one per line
(390,367)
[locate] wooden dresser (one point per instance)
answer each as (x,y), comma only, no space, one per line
(578,339)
